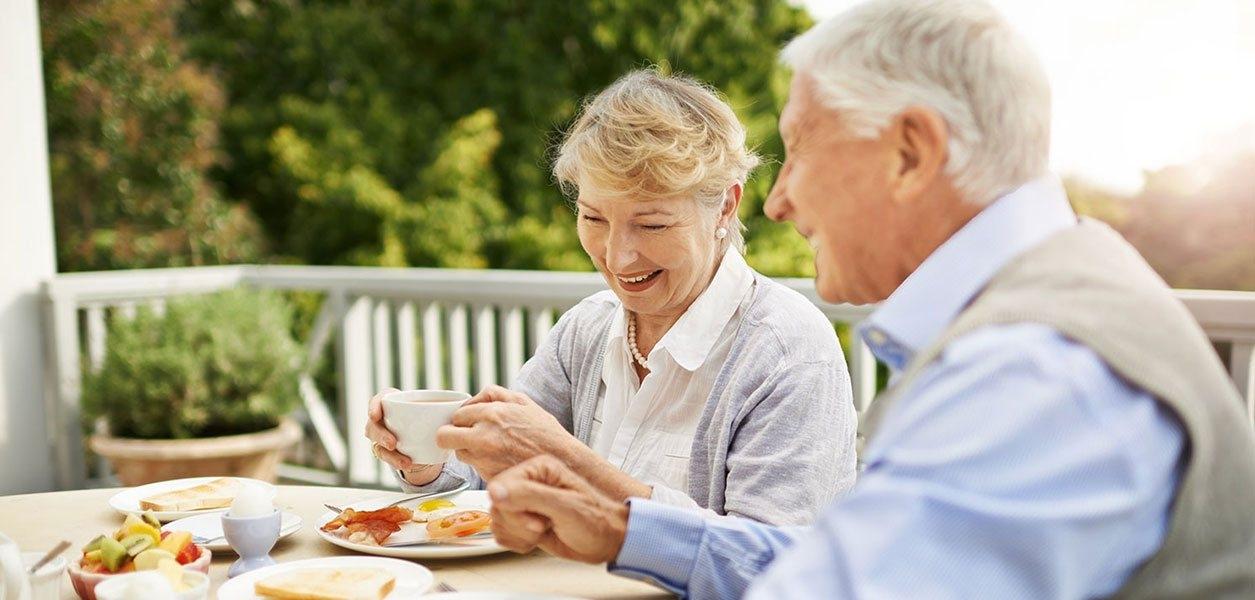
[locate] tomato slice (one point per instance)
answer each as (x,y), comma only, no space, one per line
(459,524)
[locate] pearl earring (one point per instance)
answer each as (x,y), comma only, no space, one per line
(721,233)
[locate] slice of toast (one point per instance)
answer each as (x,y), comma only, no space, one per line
(218,493)
(352,583)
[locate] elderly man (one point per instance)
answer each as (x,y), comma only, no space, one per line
(1057,425)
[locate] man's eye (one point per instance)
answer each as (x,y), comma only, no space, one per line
(654,227)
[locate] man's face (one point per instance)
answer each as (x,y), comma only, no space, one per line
(834,188)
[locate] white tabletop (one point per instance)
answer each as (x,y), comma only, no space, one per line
(38,521)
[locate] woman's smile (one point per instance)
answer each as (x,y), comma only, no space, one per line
(638,282)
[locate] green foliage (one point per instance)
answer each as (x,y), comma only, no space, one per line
(419,132)
(131,132)
(215,364)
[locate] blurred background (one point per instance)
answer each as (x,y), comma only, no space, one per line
(311,142)
(417,133)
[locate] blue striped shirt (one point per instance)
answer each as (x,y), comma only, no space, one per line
(1018,466)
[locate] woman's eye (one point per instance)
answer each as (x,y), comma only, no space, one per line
(593,219)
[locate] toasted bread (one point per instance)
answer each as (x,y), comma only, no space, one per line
(327,584)
(218,493)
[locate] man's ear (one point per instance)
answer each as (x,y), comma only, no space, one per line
(920,141)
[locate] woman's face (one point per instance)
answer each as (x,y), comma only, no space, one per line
(657,255)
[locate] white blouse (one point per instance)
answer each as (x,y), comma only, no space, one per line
(646,428)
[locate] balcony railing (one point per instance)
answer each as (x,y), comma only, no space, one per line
(412,328)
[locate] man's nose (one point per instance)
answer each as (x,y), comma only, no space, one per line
(777,205)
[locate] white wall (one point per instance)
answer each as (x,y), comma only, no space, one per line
(27,255)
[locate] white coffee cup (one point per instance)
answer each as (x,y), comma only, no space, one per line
(415,415)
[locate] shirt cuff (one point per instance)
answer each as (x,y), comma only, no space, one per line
(661,545)
(443,482)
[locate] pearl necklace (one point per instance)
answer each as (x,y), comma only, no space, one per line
(636,352)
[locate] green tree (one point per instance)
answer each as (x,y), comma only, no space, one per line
(419,132)
(132,128)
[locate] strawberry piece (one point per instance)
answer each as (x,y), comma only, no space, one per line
(188,554)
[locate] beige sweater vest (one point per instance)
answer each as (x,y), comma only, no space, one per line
(1090,285)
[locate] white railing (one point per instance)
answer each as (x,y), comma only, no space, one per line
(411,328)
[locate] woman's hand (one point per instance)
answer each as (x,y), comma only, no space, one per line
(499,428)
(385,445)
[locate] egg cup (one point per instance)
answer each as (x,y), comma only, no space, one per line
(252,538)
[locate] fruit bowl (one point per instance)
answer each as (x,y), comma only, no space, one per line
(85,581)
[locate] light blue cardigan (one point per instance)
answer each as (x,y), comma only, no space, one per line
(776,439)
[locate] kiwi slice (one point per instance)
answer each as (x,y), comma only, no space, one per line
(136,543)
(112,554)
(94,544)
(151,520)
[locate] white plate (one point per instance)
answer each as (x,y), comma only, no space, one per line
(127,501)
(492,596)
(416,531)
(412,579)
(210,526)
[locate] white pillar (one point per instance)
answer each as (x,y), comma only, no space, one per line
(27,255)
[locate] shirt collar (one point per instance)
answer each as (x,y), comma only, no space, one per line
(934,294)
(691,338)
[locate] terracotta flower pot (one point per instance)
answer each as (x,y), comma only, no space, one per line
(255,455)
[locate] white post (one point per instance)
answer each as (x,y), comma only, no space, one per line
(433,352)
(862,371)
(353,355)
(27,257)
(514,353)
(485,347)
(459,349)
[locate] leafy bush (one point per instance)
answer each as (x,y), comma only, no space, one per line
(217,364)
(132,138)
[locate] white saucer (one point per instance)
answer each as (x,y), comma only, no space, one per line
(210,526)
(416,531)
(412,579)
(127,501)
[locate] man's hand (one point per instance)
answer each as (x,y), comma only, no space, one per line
(543,504)
(499,428)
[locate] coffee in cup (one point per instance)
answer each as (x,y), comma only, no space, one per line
(415,415)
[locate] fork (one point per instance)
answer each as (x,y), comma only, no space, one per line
(429,496)
(205,540)
(453,541)
(444,587)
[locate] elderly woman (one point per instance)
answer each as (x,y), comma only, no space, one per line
(693,380)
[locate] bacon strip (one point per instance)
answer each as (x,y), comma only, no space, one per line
(378,523)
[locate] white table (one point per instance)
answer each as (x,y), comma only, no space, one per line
(38,521)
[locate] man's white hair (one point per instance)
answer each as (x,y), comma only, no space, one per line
(957,57)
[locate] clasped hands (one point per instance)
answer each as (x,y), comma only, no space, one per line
(523,452)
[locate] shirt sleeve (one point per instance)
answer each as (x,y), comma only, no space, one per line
(1021,467)
(546,376)
(695,553)
(453,474)
(794,450)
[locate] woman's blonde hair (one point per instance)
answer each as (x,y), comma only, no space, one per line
(652,136)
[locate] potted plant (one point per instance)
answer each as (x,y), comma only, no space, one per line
(202,389)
